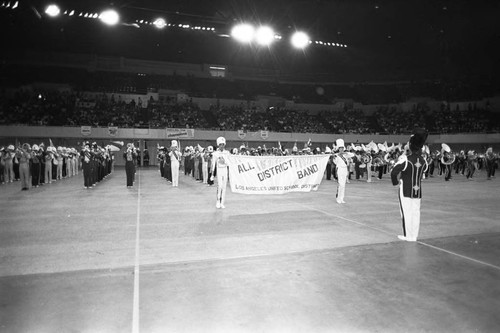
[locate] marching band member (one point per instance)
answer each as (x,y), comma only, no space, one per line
(341,160)
(368,159)
(175,161)
(15,163)
(471,164)
(130,155)
(490,162)
(23,155)
(48,157)
(36,163)
(328,151)
(410,169)
(86,157)
(210,170)
(167,165)
(219,160)
(68,157)
(461,163)
(447,159)
(204,166)
(161,159)
(75,161)
(59,165)
(2,165)
(9,164)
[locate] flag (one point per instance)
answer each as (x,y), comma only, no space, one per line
(116,145)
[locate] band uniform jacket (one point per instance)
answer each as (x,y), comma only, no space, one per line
(411,168)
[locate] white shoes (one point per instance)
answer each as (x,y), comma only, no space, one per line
(217,205)
(222,206)
(405,238)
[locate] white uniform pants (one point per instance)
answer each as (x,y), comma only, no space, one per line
(69,168)
(410,214)
(74,164)
(221,184)
(48,172)
(175,172)
(342,179)
(369,172)
(59,169)
(9,171)
(204,168)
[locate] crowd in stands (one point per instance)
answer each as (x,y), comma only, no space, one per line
(106,107)
(273,119)
(99,110)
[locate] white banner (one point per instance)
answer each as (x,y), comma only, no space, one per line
(174,133)
(276,174)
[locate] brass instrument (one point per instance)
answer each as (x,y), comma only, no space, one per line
(378,161)
(366,158)
(447,156)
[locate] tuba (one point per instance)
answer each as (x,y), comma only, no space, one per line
(366,158)
(447,156)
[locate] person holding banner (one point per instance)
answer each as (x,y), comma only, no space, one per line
(175,161)
(341,161)
(220,160)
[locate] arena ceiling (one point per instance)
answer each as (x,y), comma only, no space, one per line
(398,39)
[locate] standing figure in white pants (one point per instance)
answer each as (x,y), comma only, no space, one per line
(175,158)
(204,165)
(407,174)
(341,160)
(220,160)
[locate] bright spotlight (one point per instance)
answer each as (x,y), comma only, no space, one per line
(52,10)
(160,23)
(109,17)
(243,33)
(300,40)
(264,36)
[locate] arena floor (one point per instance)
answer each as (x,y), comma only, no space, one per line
(161,259)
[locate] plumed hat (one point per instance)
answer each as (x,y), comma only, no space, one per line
(417,140)
(339,143)
(174,143)
(220,140)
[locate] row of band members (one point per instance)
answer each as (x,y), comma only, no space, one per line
(48,164)
(36,165)
(365,163)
